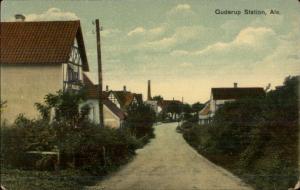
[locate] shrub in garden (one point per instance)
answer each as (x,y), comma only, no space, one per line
(81,143)
(140,120)
(260,135)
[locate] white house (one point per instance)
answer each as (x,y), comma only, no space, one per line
(38,58)
(113,116)
(154,105)
(205,115)
(219,96)
(123,98)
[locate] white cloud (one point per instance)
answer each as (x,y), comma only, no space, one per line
(181,35)
(110,32)
(248,40)
(252,36)
(182,7)
(179,53)
(186,64)
(52,14)
(136,31)
(181,12)
(148,33)
(157,30)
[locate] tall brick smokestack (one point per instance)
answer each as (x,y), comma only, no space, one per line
(149,90)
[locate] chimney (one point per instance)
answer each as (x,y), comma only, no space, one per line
(20,18)
(149,90)
(106,88)
(235,85)
(124,88)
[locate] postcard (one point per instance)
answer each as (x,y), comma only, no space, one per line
(149,95)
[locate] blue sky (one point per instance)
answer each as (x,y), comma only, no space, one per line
(183,47)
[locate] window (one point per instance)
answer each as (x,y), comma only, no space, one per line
(72,75)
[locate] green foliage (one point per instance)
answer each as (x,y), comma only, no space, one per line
(43,180)
(259,134)
(140,121)
(81,144)
(13,146)
(66,107)
(157,98)
(197,107)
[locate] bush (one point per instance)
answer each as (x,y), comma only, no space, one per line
(12,146)
(81,143)
(261,140)
(97,150)
(140,121)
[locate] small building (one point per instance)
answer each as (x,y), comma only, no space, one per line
(168,106)
(112,115)
(219,96)
(205,114)
(124,99)
(38,58)
(154,105)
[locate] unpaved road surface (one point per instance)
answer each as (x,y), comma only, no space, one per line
(169,163)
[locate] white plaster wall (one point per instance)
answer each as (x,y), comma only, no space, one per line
(152,104)
(22,85)
(214,104)
(110,119)
(94,111)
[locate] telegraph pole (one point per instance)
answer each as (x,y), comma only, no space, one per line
(0,9)
(100,93)
(0,62)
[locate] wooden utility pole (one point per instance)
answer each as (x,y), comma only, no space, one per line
(100,96)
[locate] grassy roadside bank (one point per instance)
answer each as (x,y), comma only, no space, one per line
(254,137)
(87,152)
(265,172)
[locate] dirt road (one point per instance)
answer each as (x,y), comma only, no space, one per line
(169,163)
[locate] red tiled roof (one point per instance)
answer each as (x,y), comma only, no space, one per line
(113,108)
(40,42)
(206,110)
(139,97)
(236,93)
(164,103)
(92,89)
(124,97)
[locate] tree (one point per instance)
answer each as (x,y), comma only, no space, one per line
(158,98)
(197,107)
(66,107)
(187,111)
(140,120)
(175,108)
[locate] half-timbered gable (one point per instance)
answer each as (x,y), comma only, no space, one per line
(114,99)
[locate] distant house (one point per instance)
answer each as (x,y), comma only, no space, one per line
(154,104)
(168,105)
(113,116)
(205,114)
(38,58)
(219,96)
(123,99)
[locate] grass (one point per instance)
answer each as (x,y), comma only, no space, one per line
(265,172)
(44,180)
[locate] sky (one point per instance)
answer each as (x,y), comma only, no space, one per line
(182,46)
